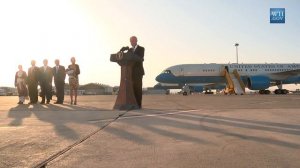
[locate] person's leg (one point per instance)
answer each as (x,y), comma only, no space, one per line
(30,91)
(71,84)
(62,92)
(35,93)
(58,90)
(48,92)
(22,99)
(43,92)
(138,90)
(76,84)
(75,93)
(71,95)
(19,100)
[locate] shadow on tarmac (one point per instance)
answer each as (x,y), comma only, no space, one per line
(159,124)
(57,115)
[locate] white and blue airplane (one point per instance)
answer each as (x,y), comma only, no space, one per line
(253,76)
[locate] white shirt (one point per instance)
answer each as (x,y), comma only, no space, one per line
(134,48)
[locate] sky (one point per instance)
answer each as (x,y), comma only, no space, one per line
(172,32)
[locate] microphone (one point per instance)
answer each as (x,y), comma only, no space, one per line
(124,48)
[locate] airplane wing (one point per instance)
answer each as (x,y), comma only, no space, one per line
(286,74)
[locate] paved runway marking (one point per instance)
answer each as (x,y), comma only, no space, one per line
(142,116)
(154,115)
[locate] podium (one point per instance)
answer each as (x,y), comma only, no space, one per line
(126,99)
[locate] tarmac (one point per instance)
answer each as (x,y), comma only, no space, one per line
(169,131)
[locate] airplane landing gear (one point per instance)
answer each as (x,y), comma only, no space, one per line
(186,90)
(208,91)
(264,92)
(281,91)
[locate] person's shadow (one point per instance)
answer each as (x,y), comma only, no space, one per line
(18,114)
(61,117)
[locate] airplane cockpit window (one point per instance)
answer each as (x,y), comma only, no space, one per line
(167,72)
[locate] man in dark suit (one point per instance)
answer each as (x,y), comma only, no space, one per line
(137,70)
(59,73)
(46,82)
(32,82)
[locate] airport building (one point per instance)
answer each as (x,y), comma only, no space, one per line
(92,89)
(8,91)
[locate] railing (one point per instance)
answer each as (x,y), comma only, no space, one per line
(230,83)
(237,75)
(230,86)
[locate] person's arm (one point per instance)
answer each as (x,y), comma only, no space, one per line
(50,73)
(78,70)
(38,74)
(139,56)
(24,75)
(54,70)
(142,53)
(27,78)
(16,79)
(64,73)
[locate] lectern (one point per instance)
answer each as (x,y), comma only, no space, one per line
(125,99)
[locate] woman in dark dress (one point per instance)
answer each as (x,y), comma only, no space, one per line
(73,71)
(20,83)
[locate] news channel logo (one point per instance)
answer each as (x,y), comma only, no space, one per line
(277,15)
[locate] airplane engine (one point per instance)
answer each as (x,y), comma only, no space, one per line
(258,82)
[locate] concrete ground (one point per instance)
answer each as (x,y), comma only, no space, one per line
(170,131)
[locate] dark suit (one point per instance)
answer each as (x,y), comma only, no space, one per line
(59,81)
(32,82)
(137,74)
(46,83)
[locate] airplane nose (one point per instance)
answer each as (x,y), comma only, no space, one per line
(159,78)
(164,78)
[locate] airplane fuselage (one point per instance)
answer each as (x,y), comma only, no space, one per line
(255,76)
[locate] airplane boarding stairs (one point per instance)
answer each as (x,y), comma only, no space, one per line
(234,83)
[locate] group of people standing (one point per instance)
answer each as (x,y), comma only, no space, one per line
(27,85)
(43,76)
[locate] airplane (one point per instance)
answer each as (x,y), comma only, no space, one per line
(198,87)
(235,76)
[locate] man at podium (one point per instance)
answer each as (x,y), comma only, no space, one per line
(137,69)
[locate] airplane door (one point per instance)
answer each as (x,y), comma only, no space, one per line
(227,69)
(224,67)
